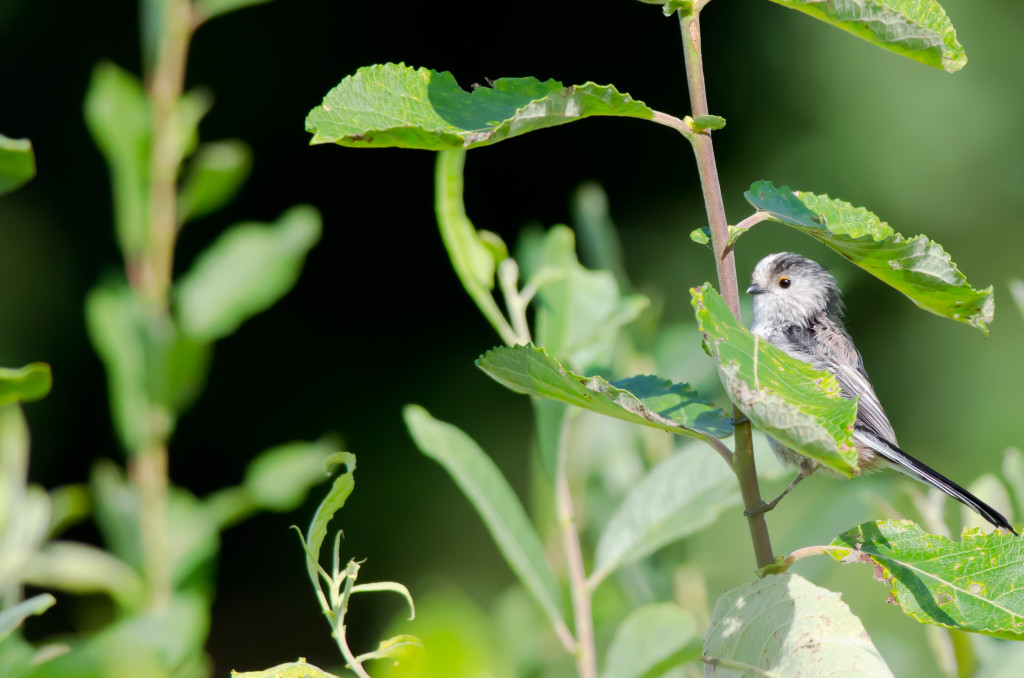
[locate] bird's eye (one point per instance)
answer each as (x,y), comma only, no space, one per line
(784,282)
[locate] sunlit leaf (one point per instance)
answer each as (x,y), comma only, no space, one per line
(915,29)
(396,105)
(600,245)
(207,9)
(668,7)
(973,584)
(579,311)
(678,497)
(492,497)
(117,113)
(651,640)
(390,586)
(991,487)
(705,122)
(786,626)
(299,669)
(82,569)
(784,397)
(396,649)
(24,384)
(117,509)
(17,163)
(647,400)
(215,174)
(245,271)
(331,504)
(471,257)
(172,635)
(12,617)
(917,267)
(279,479)
(153,370)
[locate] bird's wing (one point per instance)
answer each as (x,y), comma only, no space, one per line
(834,352)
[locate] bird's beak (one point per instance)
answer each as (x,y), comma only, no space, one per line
(754,289)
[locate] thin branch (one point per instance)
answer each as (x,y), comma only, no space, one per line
(675,123)
(508,278)
(723,451)
(165,86)
(743,459)
(737,230)
(583,621)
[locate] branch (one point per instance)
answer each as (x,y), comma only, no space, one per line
(743,459)
(583,621)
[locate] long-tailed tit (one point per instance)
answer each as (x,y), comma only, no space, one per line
(797,308)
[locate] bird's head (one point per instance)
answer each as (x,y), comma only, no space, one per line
(789,289)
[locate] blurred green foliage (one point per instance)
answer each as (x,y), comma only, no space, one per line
(806,107)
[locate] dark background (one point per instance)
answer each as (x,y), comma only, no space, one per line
(378,319)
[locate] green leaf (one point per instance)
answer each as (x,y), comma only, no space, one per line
(991,487)
(701,236)
(786,626)
(150,644)
(705,122)
(917,267)
(83,569)
(647,400)
(24,384)
(331,504)
(651,640)
(668,7)
(279,479)
(397,648)
(600,245)
(111,317)
(153,371)
(973,585)
(472,258)
(208,9)
(486,488)
(395,105)
(579,311)
(17,163)
(784,397)
(299,669)
(117,509)
(388,586)
(245,271)
(915,29)
(215,174)
(1017,291)
(678,497)
(12,617)
(117,113)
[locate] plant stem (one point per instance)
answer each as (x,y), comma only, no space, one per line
(148,472)
(583,621)
(743,458)
(148,467)
(351,573)
(165,85)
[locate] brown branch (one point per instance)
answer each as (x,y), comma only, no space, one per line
(743,459)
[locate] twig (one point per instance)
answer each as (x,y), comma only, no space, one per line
(583,621)
(743,459)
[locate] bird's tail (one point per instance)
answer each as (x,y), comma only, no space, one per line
(906,464)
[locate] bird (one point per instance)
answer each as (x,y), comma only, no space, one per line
(798,308)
